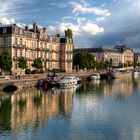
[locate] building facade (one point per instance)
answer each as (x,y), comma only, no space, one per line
(137,57)
(127,54)
(101,54)
(33,43)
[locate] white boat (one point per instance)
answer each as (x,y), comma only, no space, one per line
(95,77)
(136,73)
(68,81)
(120,72)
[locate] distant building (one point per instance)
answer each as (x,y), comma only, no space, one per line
(55,51)
(137,57)
(101,54)
(127,54)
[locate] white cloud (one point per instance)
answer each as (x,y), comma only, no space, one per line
(59,5)
(5,20)
(82,27)
(100,18)
(12,7)
(79,8)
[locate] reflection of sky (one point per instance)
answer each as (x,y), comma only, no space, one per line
(106,118)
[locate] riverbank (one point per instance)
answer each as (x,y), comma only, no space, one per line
(31,80)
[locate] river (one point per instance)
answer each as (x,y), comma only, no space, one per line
(97,110)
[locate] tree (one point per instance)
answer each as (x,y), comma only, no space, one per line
(5,61)
(22,63)
(38,64)
(84,60)
(68,33)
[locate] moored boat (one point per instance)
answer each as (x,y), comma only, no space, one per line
(120,72)
(48,82)
(68,81)
(136,73)
(95,76)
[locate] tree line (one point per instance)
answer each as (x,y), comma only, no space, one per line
(6,63)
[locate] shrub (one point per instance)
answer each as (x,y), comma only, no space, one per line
(27,71)
(34,71)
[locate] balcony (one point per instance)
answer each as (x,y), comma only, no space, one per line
(68,51)
(18,46)
(55,60)
(33,48)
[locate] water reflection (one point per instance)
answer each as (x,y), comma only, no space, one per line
(33,107)
(86,111)
(120,88)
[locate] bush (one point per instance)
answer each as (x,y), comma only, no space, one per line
(27,71)
(62,70)
(34,71)
(41,71)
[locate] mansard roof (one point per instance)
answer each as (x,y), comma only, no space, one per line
(100,49)
(122,48)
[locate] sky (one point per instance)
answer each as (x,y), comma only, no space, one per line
(94,23)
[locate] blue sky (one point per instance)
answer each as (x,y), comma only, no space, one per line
(94,22)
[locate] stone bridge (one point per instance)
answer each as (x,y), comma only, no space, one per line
(19,84)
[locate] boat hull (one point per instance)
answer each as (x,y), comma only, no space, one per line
(121,75)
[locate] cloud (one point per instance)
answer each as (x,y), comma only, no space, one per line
(83,9)
(59,5)
(81,27)
(13,7)
(5,20)
(123,25)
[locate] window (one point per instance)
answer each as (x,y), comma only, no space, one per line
(16,41)
(45,45)
(41,45)
(20,52)
(15,52)
(20,41)
(4,30)
(41,54)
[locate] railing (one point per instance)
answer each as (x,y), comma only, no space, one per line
(19,46)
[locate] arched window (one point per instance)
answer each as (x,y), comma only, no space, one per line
(41,45)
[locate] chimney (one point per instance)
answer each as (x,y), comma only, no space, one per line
(57,35)
(34,27)
(26,28)
(44,29)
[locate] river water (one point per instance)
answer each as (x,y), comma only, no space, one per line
(97,110)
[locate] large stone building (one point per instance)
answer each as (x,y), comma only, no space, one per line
(137,57)
(127,54)
(55,51)
(101,54)
(119,54)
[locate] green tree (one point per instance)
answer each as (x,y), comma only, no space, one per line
(68,33)
(84,60)
(38,64)
(5,61)
(22,63)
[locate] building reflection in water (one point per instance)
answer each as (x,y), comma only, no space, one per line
(120,88)
(32,107)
